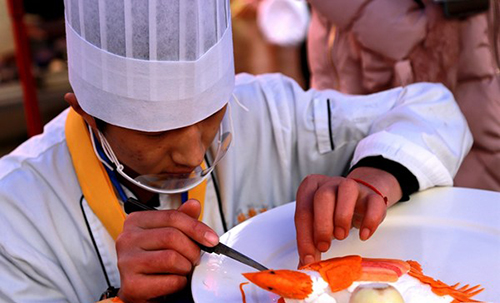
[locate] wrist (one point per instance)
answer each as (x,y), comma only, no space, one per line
(407,181)
(373,188)
(379,182)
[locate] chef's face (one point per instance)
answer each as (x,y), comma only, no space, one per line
(173,151)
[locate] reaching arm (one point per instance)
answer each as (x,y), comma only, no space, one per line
(418,128)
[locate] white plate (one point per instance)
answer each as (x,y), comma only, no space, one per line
(453,232)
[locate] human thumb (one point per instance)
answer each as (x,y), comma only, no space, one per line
(191,208)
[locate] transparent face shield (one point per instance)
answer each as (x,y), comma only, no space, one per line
(167,183)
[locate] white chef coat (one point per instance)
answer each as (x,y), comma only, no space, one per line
(46,249)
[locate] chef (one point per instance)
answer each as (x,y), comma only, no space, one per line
(155,106)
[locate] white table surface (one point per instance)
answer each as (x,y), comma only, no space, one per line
(454,233)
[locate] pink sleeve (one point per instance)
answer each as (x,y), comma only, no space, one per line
(339,12)
(388,27)
(391,28)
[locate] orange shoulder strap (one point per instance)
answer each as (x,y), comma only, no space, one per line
(94,181)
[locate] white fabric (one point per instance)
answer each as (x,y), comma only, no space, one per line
(150,65)
(283,22)
(46,254)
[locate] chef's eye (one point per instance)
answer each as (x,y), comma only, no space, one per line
(155,134)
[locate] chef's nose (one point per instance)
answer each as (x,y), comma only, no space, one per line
(188,150)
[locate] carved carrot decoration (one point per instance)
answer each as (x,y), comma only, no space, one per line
(354,279)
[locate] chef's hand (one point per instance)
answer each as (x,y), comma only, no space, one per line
(327,208)
(156,251)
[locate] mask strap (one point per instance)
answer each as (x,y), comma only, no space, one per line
(231,120)
(96,152)
(109,152)
(231,114)
(239,103)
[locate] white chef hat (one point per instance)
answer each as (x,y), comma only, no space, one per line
(150,65)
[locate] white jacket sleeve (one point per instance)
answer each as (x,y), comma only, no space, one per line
(326,132)
(423,130)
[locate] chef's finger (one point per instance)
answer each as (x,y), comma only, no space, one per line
(304,220)
(375,214)
(162,262)
(194,229)
(165,238)
(323,207)
(348,193)
(191,208)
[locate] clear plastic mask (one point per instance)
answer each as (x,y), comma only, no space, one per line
(167,183)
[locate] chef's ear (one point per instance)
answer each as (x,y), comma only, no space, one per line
(70,98)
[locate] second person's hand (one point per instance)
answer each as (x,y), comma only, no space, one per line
(327,208)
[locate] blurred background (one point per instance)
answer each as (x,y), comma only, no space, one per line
(41,23)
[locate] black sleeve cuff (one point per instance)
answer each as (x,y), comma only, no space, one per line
(407,181)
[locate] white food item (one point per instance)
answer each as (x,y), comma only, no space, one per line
(411,289)
(414,291)
(321,291)
(376,293)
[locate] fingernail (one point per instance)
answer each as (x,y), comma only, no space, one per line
(365,234)
(211,237)
(339,233)
(323,246)
(308,259)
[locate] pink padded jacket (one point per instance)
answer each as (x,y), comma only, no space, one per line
(365,46)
